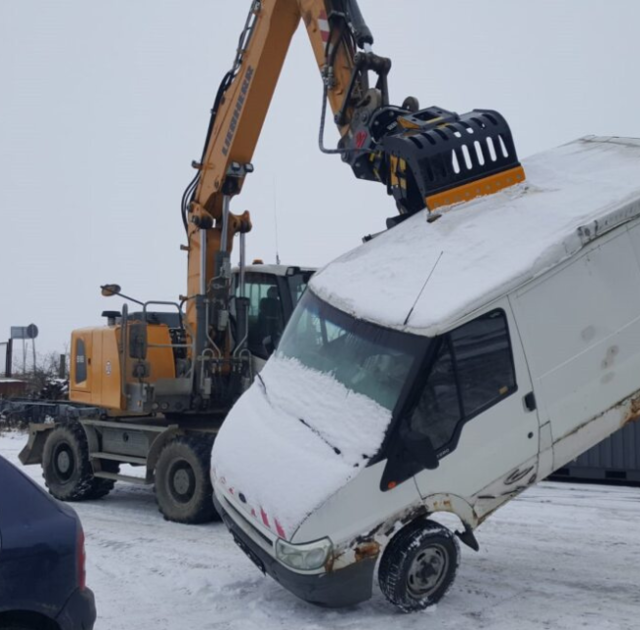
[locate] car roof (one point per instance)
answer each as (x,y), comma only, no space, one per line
(425,277)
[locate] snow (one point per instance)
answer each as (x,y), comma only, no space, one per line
(286,468)
(479,250)
(560,556)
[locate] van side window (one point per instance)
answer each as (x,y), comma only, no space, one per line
(484,363)
(473,370)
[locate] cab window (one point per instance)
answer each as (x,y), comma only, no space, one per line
(265,311)
(81,362)
(298,284)
(473,370)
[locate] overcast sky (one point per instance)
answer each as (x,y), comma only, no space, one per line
(104,105)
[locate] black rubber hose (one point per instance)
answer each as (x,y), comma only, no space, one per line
(189,191)
(185,199)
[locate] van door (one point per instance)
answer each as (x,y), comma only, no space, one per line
(478,409)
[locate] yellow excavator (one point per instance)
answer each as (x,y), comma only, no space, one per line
(151,388)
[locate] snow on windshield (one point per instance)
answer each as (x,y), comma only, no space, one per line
(366,359)
(287,467)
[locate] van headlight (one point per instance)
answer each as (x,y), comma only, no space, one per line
(306,557)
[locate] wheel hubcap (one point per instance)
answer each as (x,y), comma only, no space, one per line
(182,482)
(427,571)
(63,462)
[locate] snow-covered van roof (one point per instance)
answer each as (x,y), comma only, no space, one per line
(482,249)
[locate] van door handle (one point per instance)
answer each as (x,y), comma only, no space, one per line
(530,402)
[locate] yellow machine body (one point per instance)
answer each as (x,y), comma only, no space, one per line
(97,364)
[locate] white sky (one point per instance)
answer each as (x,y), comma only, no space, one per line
(103,105)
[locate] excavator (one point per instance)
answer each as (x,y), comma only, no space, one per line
(152,387)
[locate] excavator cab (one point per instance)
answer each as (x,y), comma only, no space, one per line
(273,292)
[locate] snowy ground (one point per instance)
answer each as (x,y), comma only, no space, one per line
(561,557)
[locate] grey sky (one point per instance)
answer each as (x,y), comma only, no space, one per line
(104,105)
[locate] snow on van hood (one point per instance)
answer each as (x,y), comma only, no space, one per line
(481,249)
(278,444)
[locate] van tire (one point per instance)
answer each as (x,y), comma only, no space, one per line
(419,565)
(182,480)
(66,468)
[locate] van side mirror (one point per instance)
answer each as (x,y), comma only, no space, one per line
(411,453)
(420,448)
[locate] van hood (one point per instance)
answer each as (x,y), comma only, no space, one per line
(293,439)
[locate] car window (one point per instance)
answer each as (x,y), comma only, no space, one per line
(438,412)
(483,361)
(472,371)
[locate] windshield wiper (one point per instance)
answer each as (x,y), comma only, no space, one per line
(264,385)
(335,449)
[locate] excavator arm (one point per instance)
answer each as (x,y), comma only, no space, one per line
(426,158)
(240,108)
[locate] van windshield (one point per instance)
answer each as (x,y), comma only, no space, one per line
(366,358)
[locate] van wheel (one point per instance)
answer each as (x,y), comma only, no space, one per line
(419,565)
(183,484)
(66,468)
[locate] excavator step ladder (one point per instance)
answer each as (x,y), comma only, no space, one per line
(453,158)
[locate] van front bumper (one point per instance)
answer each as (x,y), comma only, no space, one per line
(335,589)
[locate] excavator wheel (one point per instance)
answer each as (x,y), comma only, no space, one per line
(183,486)
(66,468)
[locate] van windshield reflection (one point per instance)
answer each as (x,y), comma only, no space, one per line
(366,358)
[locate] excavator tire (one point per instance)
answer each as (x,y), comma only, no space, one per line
(66,468)
(183,486)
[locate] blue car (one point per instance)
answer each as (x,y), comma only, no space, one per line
(42,559)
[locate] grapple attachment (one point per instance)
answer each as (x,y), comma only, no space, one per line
(437,157)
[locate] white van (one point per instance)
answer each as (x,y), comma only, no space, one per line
(440,367)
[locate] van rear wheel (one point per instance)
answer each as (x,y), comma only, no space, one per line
(419,565)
